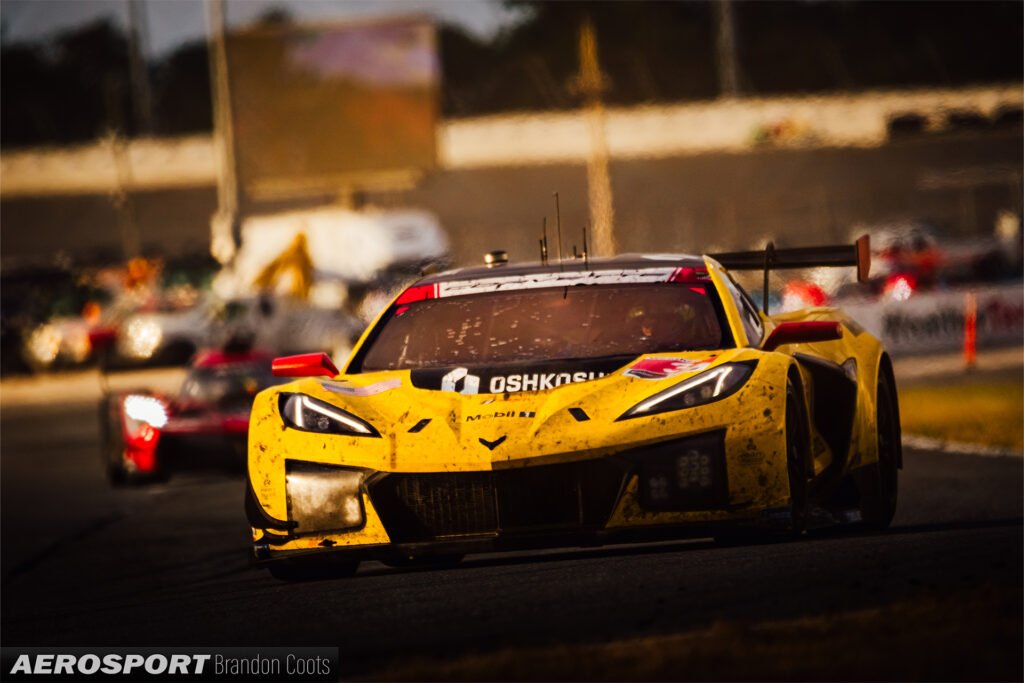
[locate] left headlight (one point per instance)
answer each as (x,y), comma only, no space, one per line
(324,497)
(309,414)
(707,387)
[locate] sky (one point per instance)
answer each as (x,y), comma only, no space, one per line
(169,23)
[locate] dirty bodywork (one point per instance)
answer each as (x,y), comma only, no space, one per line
(410,452)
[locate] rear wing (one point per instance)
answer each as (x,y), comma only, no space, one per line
(857,254)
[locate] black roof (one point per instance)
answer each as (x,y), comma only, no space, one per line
(578,265)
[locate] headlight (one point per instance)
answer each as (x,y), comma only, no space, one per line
(141,338)
(711,385)
(43,344)
(323,497)
(145,409)
(313,415)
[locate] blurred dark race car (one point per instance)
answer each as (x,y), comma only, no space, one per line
(146,436)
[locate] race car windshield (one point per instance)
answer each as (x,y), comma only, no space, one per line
(227,386)
(578,322)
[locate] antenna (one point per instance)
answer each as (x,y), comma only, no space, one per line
(544,241)
(586,249)
(769,258)
(558,221)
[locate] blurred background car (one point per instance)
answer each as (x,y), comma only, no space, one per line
(146,436)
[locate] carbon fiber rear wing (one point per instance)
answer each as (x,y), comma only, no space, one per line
(857,254)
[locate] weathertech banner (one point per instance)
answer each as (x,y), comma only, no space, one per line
(934,321)
(170,664)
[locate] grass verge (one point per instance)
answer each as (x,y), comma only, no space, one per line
(989,412)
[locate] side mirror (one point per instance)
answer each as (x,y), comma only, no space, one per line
(304,365)
(802,333)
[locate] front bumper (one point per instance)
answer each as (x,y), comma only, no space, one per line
(676,488)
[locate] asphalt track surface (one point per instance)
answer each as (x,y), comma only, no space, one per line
(84,564)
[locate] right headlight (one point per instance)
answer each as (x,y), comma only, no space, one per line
(707,387)
(309,414)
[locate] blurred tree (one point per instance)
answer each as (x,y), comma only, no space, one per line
(466,63)
(71,91)
(76,88)
(274,16)
(94,62)
(29,117)
(182,91)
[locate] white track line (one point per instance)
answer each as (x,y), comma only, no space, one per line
(929,444)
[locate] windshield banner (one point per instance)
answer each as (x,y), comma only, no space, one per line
(511,379)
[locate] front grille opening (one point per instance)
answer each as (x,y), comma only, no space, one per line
(422,507)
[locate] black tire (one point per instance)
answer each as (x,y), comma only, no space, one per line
(798,447)
(880,481)
(312,569)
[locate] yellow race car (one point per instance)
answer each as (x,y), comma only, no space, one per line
(583,402)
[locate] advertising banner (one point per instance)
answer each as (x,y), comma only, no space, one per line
(934,321)
(317,107)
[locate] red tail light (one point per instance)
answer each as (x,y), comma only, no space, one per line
(900,286)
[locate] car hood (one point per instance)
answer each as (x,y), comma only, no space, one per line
(434,429)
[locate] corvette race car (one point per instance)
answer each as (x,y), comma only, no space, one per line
(146,436)
(586,402)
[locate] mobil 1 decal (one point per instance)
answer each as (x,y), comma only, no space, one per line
(513,378)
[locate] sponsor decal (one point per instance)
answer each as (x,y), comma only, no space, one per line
(499,384)
(461,381)
(541,280)
(663,368)
(535,377)
(491,445)
(502,415)
(368,390)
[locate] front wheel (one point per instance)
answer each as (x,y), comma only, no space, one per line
(797,458)
(880,489)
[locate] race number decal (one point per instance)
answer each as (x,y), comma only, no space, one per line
(663,368)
